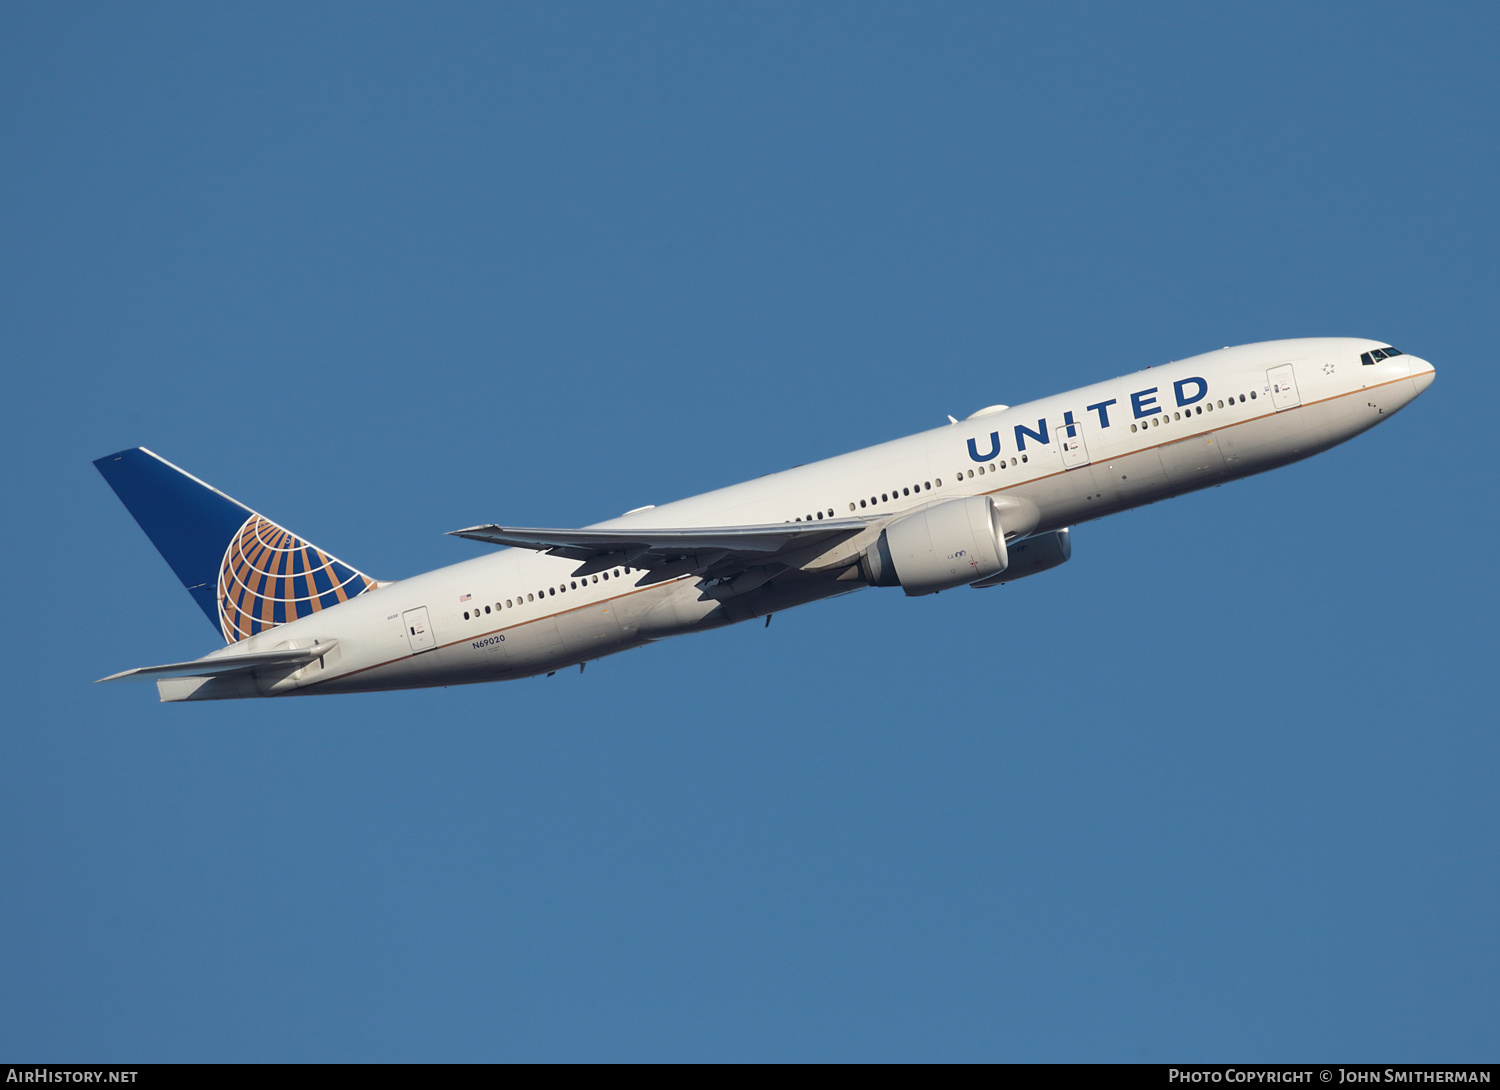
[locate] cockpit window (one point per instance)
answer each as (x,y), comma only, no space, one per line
(1369,358)
(1389,352)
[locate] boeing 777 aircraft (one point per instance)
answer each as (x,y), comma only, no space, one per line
(977,502)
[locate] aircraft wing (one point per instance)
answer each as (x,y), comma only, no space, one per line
(214,665)
(667,552)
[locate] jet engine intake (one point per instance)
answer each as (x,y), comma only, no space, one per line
(946,545)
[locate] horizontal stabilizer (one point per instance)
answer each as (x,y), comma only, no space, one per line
(217,665)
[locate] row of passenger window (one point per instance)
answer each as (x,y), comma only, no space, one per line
(546,592)
(906,491)
(1002,464)
(1165,418)
(876,501)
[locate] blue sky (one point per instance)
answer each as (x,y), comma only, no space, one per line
(1223,787)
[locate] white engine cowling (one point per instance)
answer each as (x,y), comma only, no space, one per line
(1033,554)
(947,545)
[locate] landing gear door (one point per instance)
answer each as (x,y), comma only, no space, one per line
(1283,387)
(418,629)
(1070,444)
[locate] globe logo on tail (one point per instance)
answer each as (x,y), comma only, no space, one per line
(270,576)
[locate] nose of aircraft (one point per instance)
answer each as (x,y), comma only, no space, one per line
(1421,373)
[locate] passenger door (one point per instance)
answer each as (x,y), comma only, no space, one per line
(1283,387)
(1071,446)
(418,629)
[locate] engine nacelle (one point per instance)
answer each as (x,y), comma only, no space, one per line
(1041,553)
(940,547)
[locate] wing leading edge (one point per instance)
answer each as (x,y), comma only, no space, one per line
(724,553)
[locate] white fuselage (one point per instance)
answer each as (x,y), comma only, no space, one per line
(1047,464)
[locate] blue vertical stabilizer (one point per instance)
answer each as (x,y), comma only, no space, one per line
(247,573)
